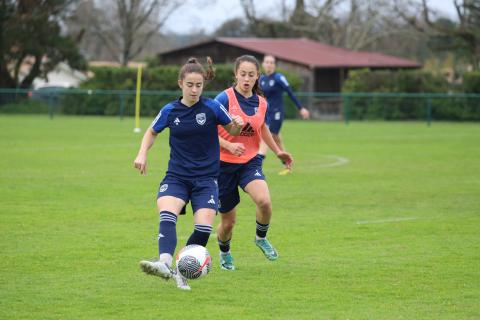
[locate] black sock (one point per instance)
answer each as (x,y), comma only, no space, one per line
(200,235)
(262,229)
(224,245)
(167,234)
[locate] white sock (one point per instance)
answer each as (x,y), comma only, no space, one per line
(258,238)
(166,258)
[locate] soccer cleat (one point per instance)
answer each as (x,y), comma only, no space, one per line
(156,268)
(181,281)
(267,249)
(226,261)
(284,172)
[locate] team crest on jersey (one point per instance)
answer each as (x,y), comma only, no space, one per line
(201,118)
(163,187)
(271,83)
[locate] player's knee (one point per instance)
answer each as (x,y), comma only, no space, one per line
(228,222)
(264,203)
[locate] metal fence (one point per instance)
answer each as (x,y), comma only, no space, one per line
(323,106)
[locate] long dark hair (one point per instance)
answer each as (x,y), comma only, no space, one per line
(193,66)
(251,59)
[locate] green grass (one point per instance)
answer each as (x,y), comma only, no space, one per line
(393,234)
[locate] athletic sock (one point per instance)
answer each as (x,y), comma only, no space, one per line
(261,231)
(224,245)
(200,235)
(167,236)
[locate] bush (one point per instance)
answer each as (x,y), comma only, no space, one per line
(24,105)
(405,108)
(153,79)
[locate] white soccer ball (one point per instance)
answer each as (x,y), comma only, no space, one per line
(194,261)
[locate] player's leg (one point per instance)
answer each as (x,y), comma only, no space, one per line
(258,191)
(229,198)
(172,197)
(224,236)
(203,219)
(252,181)
(204,204)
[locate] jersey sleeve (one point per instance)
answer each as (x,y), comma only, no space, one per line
(286,87)
(161,121)
(223,117)
(223,99)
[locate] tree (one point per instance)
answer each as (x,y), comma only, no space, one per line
(461,37)
(30,31)
(124,27)
(236,27)
(366,23)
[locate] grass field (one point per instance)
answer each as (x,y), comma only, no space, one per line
(392,234)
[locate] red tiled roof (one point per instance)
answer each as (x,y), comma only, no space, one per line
(315,54)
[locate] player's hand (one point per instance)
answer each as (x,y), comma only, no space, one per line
(141,163)
(304,113)
(236,148)
(286,159)
(237,122)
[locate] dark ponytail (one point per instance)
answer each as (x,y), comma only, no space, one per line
(193,66)
(251,59)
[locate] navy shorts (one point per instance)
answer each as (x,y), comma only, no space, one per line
(203,192)
(275,120)
(234,175)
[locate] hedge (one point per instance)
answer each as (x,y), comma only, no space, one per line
(158,79)
(407,108)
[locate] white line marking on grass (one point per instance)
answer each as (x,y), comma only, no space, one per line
(386,220)
(339,161)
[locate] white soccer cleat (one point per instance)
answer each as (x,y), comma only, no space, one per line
(181,281)
(156,268)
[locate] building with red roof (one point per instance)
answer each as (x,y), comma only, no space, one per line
(322,67)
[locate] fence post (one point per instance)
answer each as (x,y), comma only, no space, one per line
(346,109)
(122,106)
(50,105)
(429,111)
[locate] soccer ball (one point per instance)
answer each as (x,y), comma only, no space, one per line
(194,261)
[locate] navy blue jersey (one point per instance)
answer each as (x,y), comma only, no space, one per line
(249,105)
(273,87)
(194,146)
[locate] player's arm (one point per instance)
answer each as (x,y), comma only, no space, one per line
(235,126)
(160,123)
(147,142)
(235,148)
(282,155)
(304,113)
(232,124)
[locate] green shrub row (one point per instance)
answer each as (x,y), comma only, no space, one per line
(153,79)
(406,108)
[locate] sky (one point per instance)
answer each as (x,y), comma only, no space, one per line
(208,15)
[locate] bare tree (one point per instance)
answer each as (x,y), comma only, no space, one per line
(462,37)
(360,27)
(125,27)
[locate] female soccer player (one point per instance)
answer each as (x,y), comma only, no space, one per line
(273,85)
(239,163)
(193,166)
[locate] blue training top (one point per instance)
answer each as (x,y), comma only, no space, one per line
(194,146)
(273,87)
(249,105)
